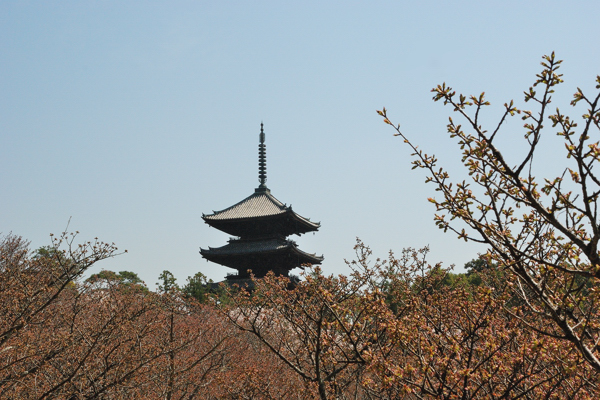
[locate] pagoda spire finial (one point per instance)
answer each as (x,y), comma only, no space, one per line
(262,159)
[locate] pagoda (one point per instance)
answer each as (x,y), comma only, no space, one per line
(260,225)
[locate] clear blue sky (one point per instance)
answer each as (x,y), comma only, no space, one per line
(134,118)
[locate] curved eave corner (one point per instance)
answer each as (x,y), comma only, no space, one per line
(318,259)
(312,226)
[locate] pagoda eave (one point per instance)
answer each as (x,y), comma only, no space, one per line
(286,223)
(240,254)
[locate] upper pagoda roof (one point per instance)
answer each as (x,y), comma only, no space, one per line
(259,204)
(247,215)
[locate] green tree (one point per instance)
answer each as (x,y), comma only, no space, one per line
(125,278)
(202,289)
(130,278)
(481,268)
(167,282)
(544,232)
(479,264)
(197,286)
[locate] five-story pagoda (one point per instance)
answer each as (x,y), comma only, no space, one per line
(260,225)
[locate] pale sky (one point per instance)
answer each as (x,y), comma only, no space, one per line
(132,119)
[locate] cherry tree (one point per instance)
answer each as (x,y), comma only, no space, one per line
(543,230)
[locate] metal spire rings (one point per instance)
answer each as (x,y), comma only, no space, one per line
(262,159)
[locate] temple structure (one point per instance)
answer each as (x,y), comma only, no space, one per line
(260,225)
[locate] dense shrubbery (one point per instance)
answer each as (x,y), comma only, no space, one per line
(392,329)
(111,338)
(400,328)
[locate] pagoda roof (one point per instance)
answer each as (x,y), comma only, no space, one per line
(262,247)
(261,205)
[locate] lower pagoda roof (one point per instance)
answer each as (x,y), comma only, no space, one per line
(275,254)
(260,214)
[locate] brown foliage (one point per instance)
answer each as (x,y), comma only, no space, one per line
(320,330)
(65,340)
(545,232)
(107,339)
(392,330)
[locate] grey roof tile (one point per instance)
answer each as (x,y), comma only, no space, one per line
(247,247)
(259,204)
(256,205)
